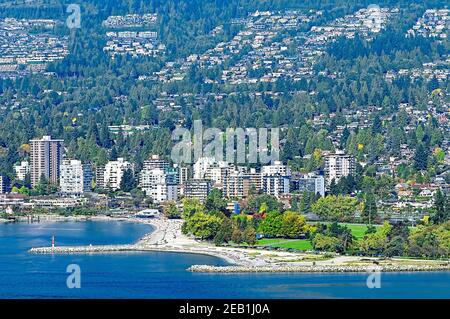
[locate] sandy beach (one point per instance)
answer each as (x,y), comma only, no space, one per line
(167,236)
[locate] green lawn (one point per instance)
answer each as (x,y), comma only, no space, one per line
(300,244)
(358,230)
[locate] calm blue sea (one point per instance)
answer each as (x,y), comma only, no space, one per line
(164,275)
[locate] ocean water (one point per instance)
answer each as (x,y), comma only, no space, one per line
(164,275)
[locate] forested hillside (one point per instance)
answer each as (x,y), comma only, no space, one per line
(88,91)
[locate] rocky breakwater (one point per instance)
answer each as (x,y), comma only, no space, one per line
(82,249)
(321,268)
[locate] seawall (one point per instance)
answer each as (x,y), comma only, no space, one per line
(317,268)
(82,249)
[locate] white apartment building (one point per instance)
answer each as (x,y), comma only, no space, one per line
(278,168)
(217,175)
(22,170)
(114,171)
(100,177)
(210,169)
(183,174)
(2,185)
(197,188)
(158,184)
(75,177)
(202,165)
(154,161)
(338,165)
(275,185)
(275,179)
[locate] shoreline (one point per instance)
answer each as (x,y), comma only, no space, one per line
(166,236)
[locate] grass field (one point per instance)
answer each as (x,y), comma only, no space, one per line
(358,230)
(300,244)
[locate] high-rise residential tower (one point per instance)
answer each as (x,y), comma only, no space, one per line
(45,159)
(338,165)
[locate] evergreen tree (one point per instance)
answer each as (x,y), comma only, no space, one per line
(334,190)
(104,137)
(421,158)
(369,213)
(215,204)
(344,137)
(376,125)
(128,181)
(113,155)
(441,208)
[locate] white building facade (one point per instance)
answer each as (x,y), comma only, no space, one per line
(2,185)
(276,185)
(198,189)
(338,165)
(114,171)
(278,168)
(275,179)
(158,184)
(22,170)
(211,169)
(75,177)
